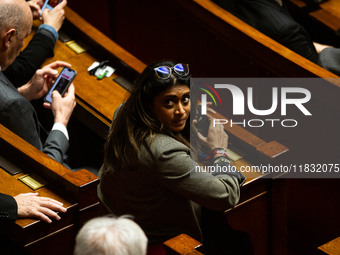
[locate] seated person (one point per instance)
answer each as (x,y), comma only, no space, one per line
(29,205)
(41,45)
(272,18)
(109,235)
(148,171)
(16,112)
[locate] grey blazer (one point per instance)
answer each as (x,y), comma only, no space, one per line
(166,191)
(18,115)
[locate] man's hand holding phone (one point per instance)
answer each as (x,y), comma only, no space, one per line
(54,17)
(36,6)
(42,81)
(62,107)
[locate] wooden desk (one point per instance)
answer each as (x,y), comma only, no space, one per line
(332,247)
(182,244)
(76,190)
(217,44)
(97,101)
(328,13)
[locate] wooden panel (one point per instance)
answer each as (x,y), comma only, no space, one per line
(217,44)
(181,244)
(326,13)
(76,190)
(97,100)
(332,247)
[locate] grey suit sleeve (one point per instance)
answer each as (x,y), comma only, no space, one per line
(179,173)
(8,207)
(329,59)
(18,116)
(56,145)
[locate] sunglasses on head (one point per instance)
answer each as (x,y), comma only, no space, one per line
(164,72)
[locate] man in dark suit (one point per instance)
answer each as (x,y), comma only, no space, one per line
(273,19)
(16,112)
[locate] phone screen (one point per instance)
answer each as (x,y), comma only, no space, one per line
(62,82)
(50,4)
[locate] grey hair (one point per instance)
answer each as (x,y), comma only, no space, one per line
(12,16)
(111,236)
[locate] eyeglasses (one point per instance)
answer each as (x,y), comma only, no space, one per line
(164,72)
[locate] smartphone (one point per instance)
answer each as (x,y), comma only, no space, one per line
(50,4)
(62,83)
(203,122)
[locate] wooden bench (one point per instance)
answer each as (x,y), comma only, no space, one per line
(217,44)
(76,190)
(182,244)
(97,100)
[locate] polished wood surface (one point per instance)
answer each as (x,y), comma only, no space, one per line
(76,190)
(181,244)
(217,44)
(259,192)
(328,13)
(97,101)
(332,247)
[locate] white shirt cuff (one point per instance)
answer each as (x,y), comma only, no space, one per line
(61,128)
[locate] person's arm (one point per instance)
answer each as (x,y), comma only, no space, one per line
(56,144)
(320,47)
(180,174)
(35,6)
(8,207)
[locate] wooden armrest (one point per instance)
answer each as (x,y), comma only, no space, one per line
(182,244)
(332,247)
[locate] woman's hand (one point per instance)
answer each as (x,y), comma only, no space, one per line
(217,137)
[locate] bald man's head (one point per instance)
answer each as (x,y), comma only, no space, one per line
(15,25)
(14,13)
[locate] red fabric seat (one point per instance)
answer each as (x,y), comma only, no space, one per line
(156,249)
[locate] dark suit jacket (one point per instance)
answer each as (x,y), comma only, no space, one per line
(18,115)
(31,58)
(273,20)
(8,208)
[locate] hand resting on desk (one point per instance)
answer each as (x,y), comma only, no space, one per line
(30,205)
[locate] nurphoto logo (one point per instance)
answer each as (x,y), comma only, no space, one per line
(302,96)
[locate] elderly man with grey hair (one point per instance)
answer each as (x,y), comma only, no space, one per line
(109,235)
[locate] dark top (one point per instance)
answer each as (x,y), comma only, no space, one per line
(273,20)
(18,115)
(31,58)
